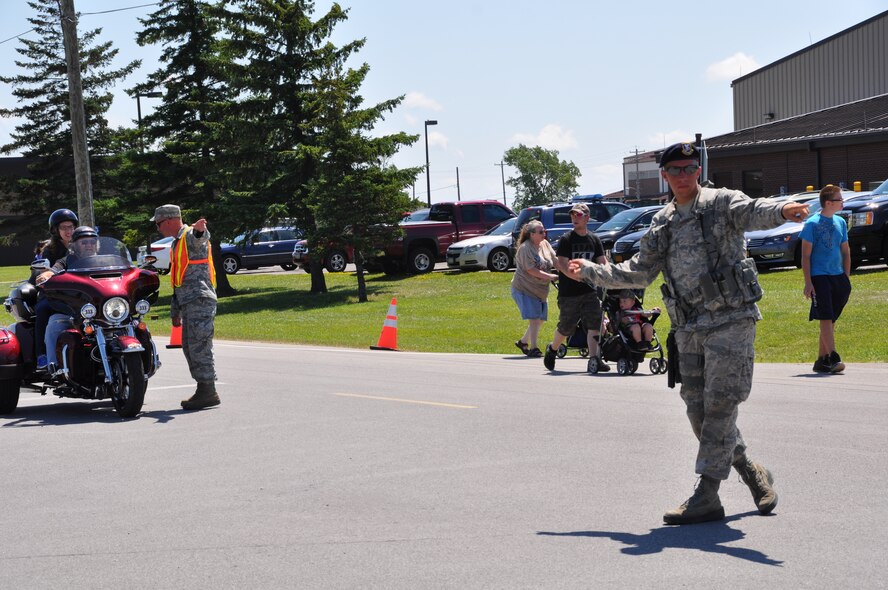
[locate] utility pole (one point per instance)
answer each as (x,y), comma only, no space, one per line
(82,173)
(637,177)
(458,198)
(503,175)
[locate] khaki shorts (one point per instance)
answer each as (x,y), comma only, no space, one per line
(572,309)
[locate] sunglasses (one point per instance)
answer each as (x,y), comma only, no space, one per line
(836,200)
(577,214)
(86,242)
(677,170)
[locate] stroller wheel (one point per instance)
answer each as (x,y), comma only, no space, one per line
(624,366)
(633,367)
(584,352)
(655,366)
(562,351)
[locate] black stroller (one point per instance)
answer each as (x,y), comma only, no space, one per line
(618,346)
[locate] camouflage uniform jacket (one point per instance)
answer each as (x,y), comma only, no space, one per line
(196,284)
(676,246)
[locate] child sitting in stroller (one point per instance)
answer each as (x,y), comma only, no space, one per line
(628,333)
(635,322)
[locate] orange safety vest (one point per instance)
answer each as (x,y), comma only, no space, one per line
(179,261)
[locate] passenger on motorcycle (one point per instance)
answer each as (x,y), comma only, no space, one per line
(62,223)
(84,242)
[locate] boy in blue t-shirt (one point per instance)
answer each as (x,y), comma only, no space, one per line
(826,264)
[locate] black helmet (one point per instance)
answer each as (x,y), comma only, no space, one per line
(60,215)
(84,231)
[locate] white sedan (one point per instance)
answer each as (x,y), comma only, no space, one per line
(492,250)
(161,250)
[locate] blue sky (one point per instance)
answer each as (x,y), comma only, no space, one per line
(594,81)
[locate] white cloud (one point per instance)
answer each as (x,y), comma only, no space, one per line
(731,68)
(551,137)
(418,100)
(437,139)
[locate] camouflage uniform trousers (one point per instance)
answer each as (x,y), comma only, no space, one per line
(198,327)
(716,373)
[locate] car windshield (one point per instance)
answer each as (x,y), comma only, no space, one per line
(503,229)
(98,254)
(882,189)
(619,221)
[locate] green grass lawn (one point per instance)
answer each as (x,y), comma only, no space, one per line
(474,312)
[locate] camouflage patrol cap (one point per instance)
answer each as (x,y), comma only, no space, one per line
(166,212)
(581,208)
(679,151)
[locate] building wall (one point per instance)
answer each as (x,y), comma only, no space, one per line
(849,66)
(794,170)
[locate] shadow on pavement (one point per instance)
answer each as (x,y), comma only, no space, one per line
(70,412)
(708,537)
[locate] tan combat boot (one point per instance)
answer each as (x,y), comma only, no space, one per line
(204,397)
(760,482)
(703,506)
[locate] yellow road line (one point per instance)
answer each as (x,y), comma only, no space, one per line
(408,401)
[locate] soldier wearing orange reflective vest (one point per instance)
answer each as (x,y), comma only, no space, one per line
(194,299)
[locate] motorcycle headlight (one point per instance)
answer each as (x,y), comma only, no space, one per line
(142,306)
(88,311)
(115,309)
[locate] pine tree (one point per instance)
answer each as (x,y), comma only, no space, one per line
(299,103)
(183,127)
(44,132)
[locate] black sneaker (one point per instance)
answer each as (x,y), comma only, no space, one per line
(821,365)
(835,363)
(549,358)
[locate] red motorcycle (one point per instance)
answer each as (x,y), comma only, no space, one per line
(107,352)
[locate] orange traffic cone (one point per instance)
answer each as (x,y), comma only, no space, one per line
(176,337)
(388,340)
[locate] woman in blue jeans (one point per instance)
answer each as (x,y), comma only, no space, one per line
(61,227)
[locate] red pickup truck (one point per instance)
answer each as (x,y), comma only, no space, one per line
(426,242)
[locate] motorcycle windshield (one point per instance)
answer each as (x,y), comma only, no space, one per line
(104,253)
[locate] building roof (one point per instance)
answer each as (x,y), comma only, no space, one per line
(852,122)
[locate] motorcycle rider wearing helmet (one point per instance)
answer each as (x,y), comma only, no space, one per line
(84,242)
(62,223)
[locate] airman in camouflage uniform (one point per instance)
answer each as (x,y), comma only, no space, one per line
(710,289)
(194,300)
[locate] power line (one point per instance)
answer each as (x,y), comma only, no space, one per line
(84,14)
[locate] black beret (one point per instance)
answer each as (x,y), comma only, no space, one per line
(679,151)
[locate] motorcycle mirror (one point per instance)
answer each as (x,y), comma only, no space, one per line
(149,260)
(40,264)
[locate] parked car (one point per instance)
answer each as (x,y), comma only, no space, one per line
(418,215)
(335,261)
(269,246)
(160,250)
(492,250)
(556,217)
(627,246)
(623,223)
(867,220)
(422,243)
(780,246)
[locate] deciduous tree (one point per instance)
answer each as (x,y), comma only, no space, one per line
(541,176)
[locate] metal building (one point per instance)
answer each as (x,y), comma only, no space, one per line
(848,66)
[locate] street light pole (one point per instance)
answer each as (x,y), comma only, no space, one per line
(139,114)
(428,182)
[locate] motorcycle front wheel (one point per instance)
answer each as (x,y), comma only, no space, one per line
(127,384)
